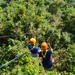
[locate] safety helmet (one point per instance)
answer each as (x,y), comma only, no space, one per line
(44,46)
(32,41)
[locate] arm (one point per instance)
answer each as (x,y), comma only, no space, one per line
(39,51)
(49,45)
(29,47)
(50,48)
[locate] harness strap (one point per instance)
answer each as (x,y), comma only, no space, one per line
(44,55)
(32,47)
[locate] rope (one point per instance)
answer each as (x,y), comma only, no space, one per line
(7,36)
(13,59)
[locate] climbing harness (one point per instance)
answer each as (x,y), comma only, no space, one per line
(44,54)
(32,47)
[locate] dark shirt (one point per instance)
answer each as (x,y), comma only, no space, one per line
(46,60)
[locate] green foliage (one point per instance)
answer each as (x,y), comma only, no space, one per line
(49,18)
(55,5)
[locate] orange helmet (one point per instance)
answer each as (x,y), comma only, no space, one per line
(44,46)
(32,41)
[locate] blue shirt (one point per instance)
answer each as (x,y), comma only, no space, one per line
(47,63)
(34,49)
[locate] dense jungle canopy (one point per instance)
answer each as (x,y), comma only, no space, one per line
(49,18)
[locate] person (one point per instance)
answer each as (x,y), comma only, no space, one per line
(46,55)
(34,49)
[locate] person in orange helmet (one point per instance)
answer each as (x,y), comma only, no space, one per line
(34,49)
(46,55)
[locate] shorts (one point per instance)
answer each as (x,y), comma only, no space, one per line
(48,65)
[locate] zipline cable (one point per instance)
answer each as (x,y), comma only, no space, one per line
(13,59)
(7,36)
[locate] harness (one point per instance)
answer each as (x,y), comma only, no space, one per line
(44,55)
(32,47)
